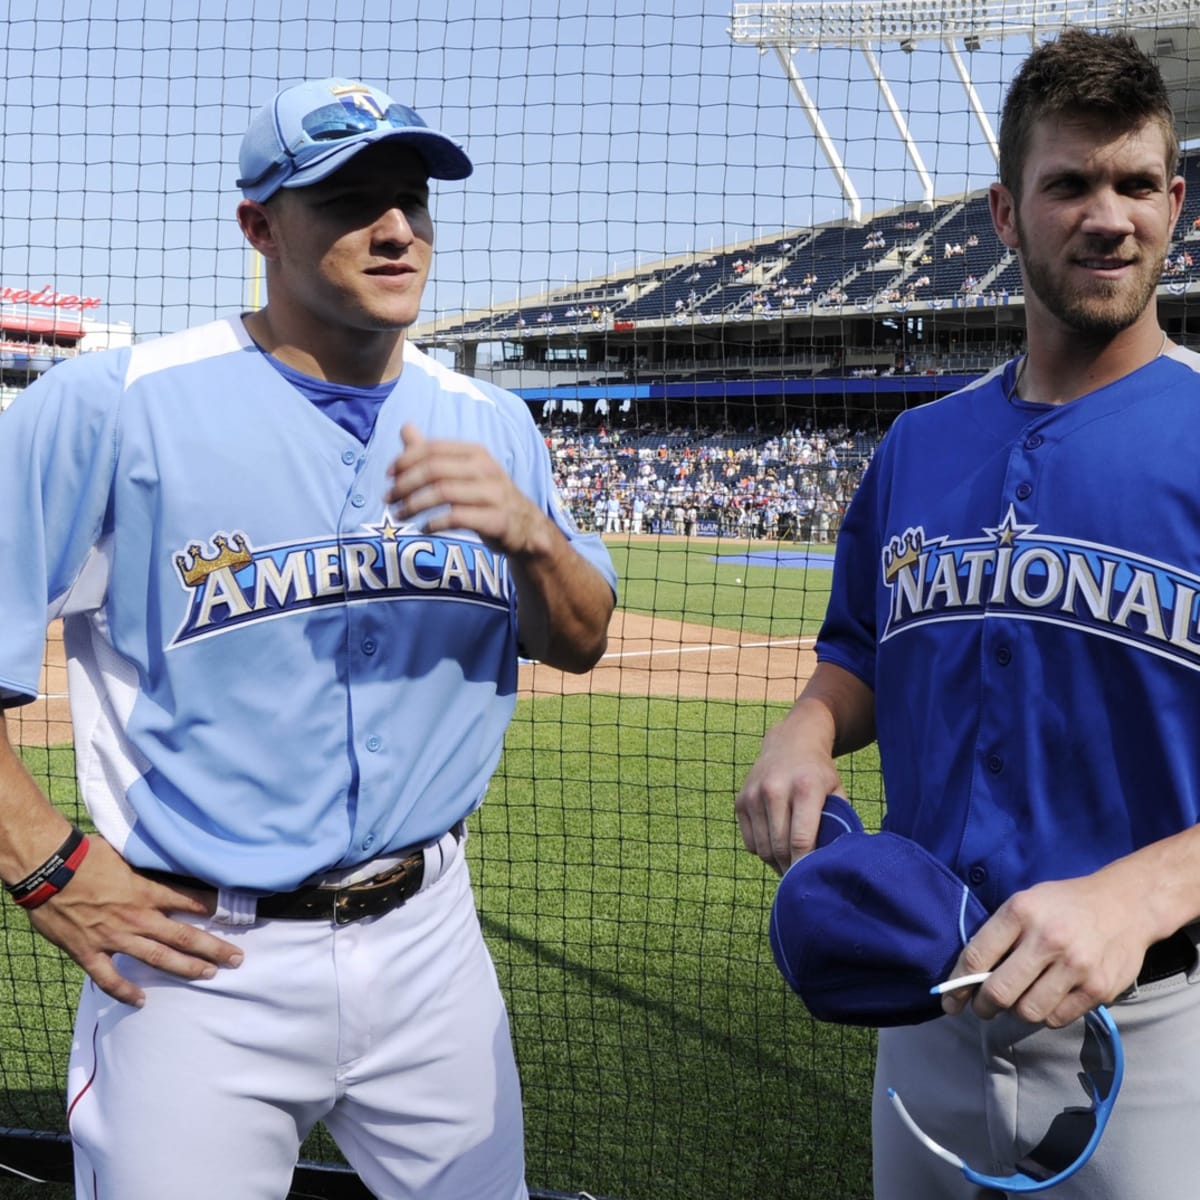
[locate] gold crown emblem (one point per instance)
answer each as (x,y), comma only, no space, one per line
(201,568)
(902,552)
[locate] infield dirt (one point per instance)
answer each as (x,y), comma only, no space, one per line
(646,656)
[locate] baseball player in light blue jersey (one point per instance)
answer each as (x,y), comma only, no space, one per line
(295,559)
(1015,619)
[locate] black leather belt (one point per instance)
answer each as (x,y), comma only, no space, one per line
(369,898)
(1174,955)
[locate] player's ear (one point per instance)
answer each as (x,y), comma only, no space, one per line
(255,221)
(1175,194)
(1004,215)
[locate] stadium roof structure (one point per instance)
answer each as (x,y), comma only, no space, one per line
(1166,29)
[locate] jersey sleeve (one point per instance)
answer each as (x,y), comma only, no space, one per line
(848,634)
(57,462)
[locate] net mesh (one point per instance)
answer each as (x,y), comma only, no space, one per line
(716,252)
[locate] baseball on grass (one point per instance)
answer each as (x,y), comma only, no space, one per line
(738,579)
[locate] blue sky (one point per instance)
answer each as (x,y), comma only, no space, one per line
(603,132)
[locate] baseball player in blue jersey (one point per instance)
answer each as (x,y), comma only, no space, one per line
(1015,618)
(295,559)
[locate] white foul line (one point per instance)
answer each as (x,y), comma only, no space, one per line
(707,649)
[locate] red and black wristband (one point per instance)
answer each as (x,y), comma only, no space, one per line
(53,875)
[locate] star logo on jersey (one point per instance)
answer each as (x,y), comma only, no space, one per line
(387,529)
(229,582)
(1018,571)
(1007,532)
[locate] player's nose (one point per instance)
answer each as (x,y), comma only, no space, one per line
(393,226)
(1108,214)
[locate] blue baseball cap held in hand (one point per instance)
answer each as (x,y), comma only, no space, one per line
(864,925)
(310,130)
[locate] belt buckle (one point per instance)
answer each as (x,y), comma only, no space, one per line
(380,894)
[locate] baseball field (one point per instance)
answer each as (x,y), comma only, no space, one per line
(661,1053)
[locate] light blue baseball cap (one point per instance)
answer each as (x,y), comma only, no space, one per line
(310,130)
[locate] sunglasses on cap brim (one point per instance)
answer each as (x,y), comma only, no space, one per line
(324,127)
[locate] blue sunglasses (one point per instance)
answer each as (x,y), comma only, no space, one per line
(333,123)
(1073,1135)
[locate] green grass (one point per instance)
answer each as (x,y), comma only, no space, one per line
(678,579)
(661,1053)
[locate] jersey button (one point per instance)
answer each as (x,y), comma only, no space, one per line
(1004,656)
(1024,491)
(373,743)
(348,457)
(977,875)
(358,500)
(368,841)
(995,763)
(1033,441)
(369,646)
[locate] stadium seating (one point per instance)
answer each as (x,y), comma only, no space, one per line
(948,255)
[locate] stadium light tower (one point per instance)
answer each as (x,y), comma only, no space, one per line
(1167,29)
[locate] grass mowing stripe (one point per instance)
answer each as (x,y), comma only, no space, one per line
(678,579)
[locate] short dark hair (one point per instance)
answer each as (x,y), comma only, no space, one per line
(1102,76)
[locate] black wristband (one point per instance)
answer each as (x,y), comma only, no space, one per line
(53,875)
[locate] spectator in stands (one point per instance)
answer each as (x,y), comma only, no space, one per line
(1037,743)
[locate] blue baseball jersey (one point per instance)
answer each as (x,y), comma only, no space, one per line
(1020,586)
(270,674)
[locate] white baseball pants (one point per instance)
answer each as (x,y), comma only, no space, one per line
(391,1030)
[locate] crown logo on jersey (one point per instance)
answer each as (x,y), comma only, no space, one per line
(201,568)
(902,552)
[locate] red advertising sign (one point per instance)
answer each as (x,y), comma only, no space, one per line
(47,297)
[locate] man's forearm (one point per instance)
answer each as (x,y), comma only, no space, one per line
(31,828)
(836,706)
(564,604)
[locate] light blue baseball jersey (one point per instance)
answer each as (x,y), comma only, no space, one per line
(270,675)
(1020,585)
